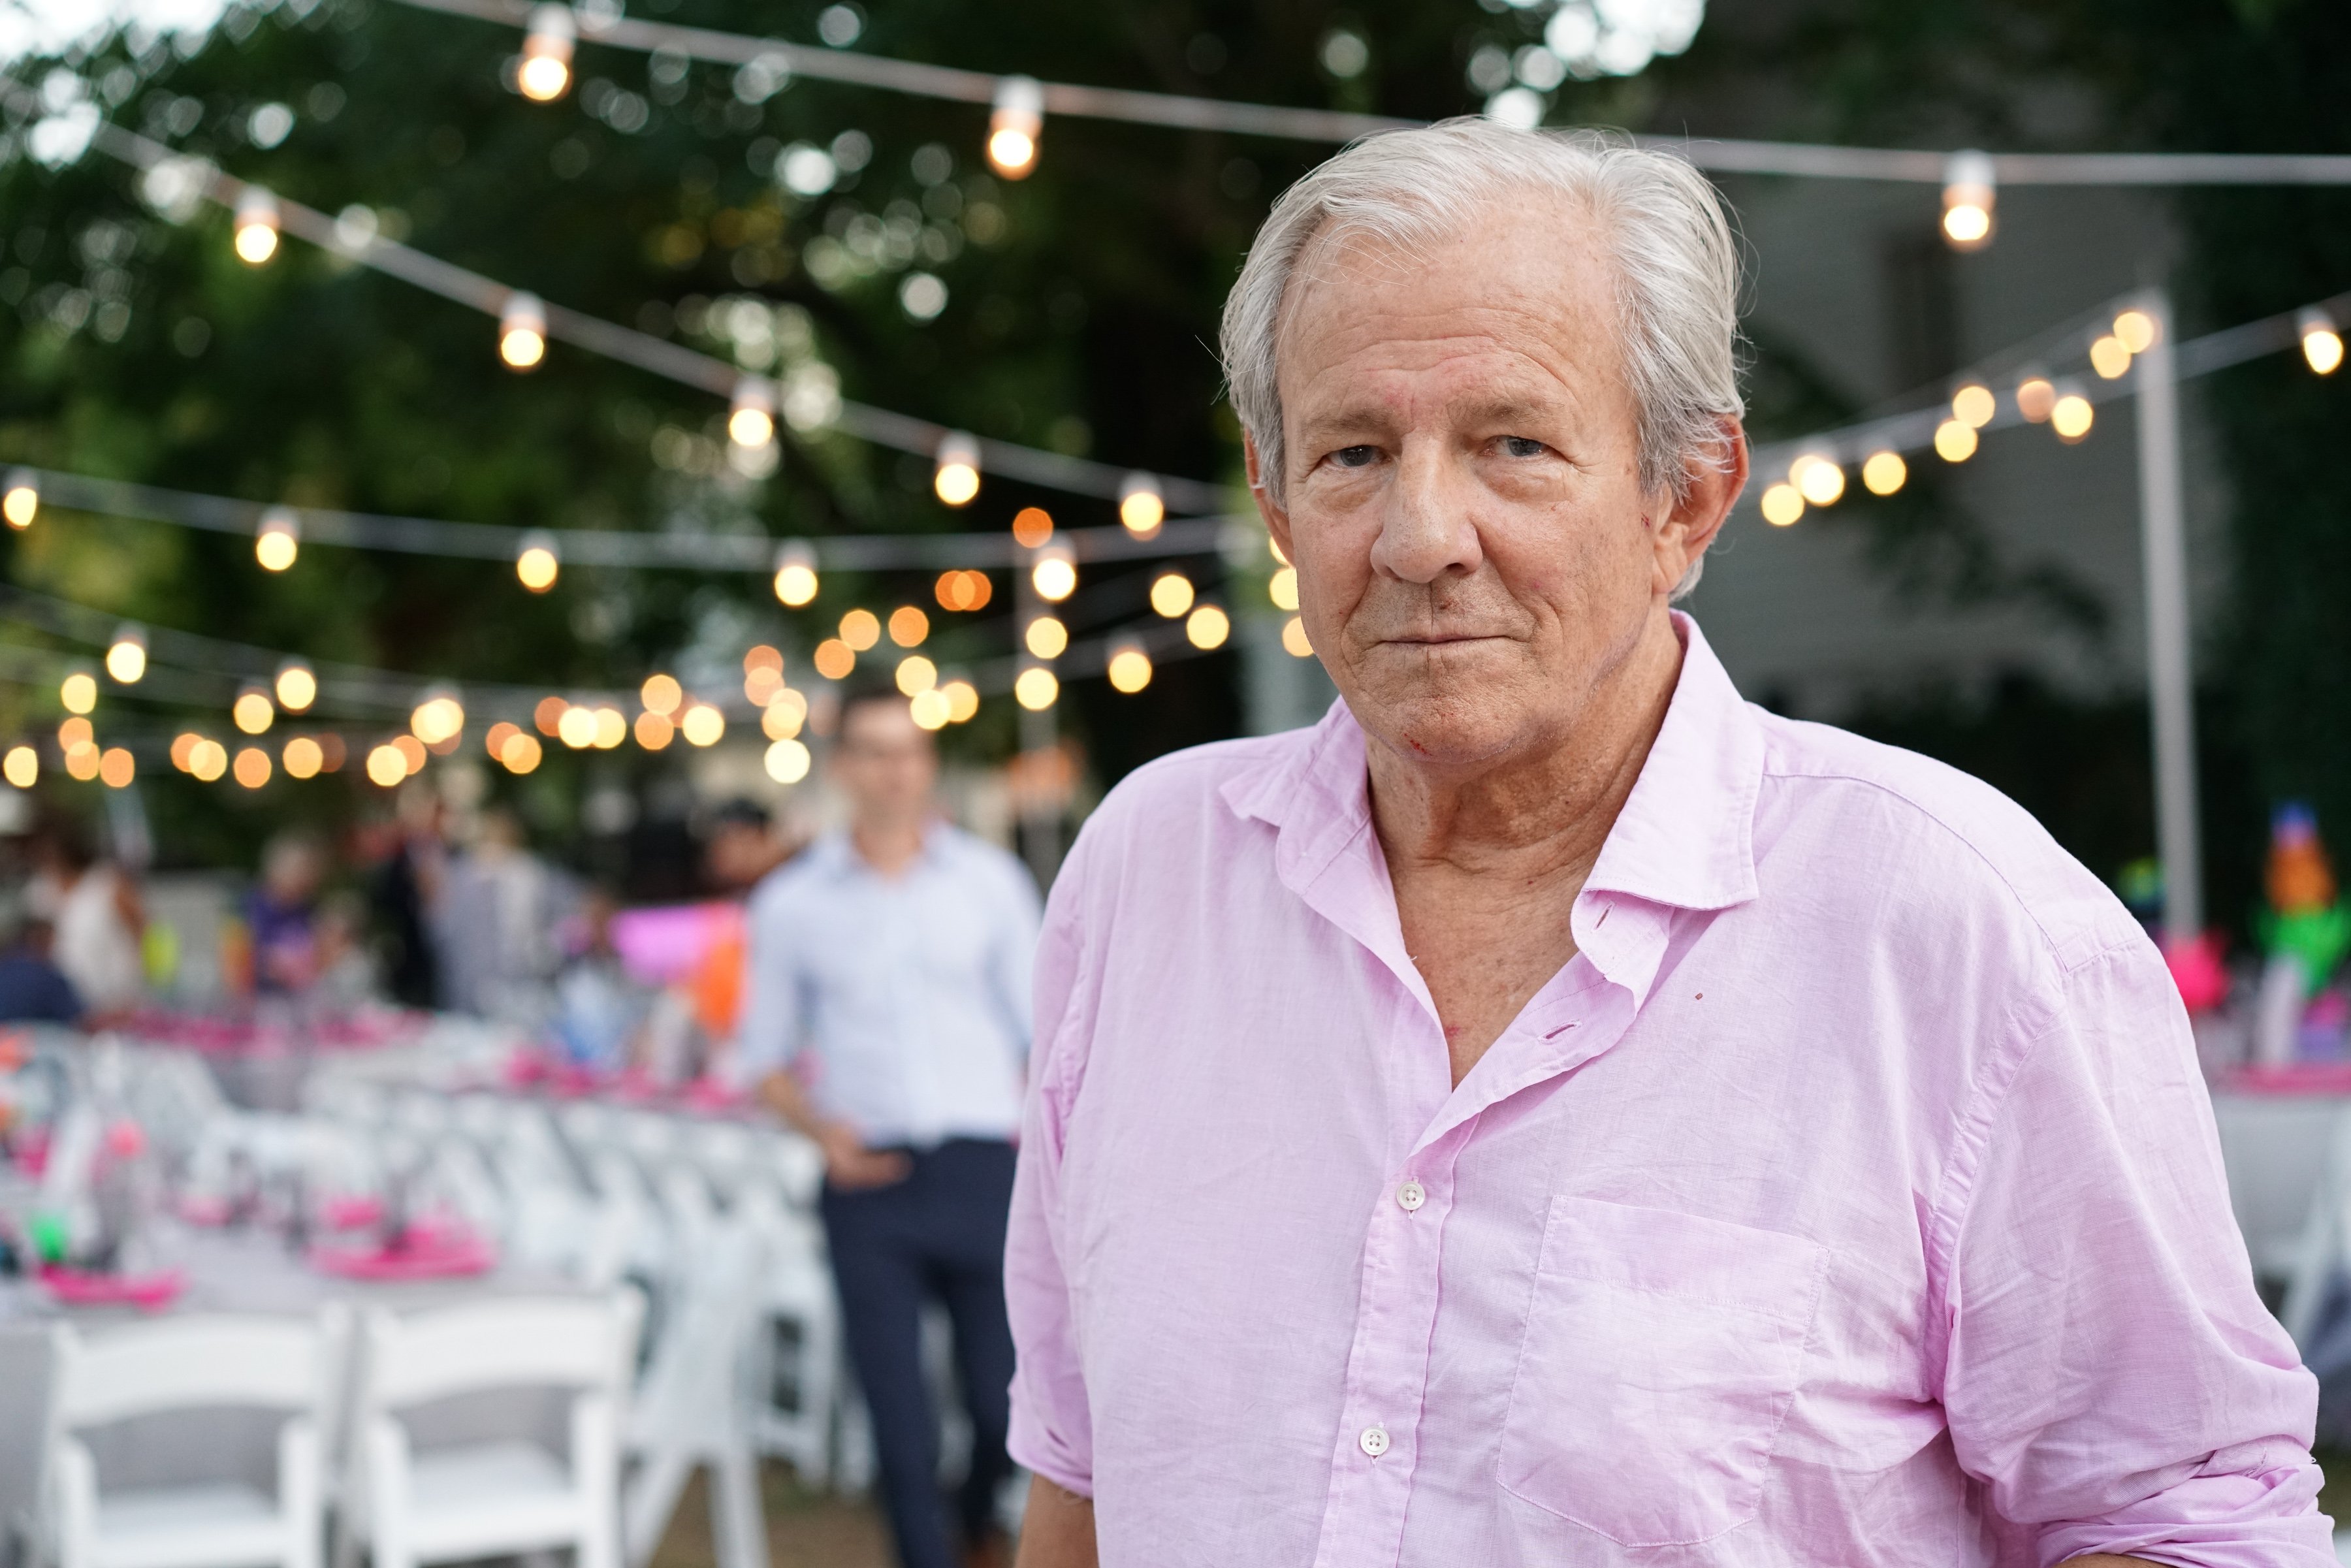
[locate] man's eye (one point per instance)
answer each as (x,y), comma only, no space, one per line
(1355,456)
(1523,446)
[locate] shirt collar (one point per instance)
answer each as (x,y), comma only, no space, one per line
(835,855)
(1685,837)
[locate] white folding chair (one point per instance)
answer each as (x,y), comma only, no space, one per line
(196,1363)
(794,1366)
(497,1498)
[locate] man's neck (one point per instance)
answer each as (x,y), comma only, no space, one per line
(889,845)
(1540,813)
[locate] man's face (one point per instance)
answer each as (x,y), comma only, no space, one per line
(1475,552)
(884,763)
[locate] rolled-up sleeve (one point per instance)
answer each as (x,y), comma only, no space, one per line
(1053,1430)
(2110,1374)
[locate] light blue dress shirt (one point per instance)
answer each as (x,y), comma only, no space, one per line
(902,1003)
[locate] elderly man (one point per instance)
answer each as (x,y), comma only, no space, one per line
(1551,1112)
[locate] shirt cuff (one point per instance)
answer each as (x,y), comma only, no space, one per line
(2250,1519)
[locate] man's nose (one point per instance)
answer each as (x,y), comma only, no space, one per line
(1427,526)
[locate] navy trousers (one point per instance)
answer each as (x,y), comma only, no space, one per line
(937,1235)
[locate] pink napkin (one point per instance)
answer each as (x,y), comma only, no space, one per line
(80,1288)
(431,1252)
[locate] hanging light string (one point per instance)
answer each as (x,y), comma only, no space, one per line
(2006,387)
(1179,111)
(261,210)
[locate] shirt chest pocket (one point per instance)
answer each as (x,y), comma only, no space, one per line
(1661,1353)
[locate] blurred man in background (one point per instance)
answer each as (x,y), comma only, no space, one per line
(94,909)
(888,1019)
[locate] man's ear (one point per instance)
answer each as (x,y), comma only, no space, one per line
(1694,518)
(1276,516)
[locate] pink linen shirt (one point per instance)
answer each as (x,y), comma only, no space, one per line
(1851,1197)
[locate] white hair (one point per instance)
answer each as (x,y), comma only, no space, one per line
(1676,262)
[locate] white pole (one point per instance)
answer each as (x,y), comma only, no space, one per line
(2170,684)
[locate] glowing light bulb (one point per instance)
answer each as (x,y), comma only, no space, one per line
(1970,195)
(1055,575)
(1171,594)
(782,718)
(964,591)
(916,675)
(20,501)
(75,731)
(411,751)
(662,693)
(439,718)
(909,626)
(252,769)
(2035,397)
(1973,405)
(117,767)
(1032,526)
(297,688)
(126,657)
(860,630)
(183,746)
(21,766)
(1782,504)
(930,708)
(577,728)
(257,225)
(2136,329)
(751,421)
(653,731)
(2109,357)
(537,564)
(208,759)
(1282,587)
(522,332)
(2071,417)
(81,762)
(795,578)
(956,477)
(303,757)
(1208,627)
(2322,343)
(611,728)
(702,725)
(963,701)
(386,767)
(787,761)
(544,73)
(77,692)
(1294,641)
(278,540)
(1820,480)
(1884,473)
(1130,670)
(1955,441)
(1141,508)
(520,753)
(1036,688)
(833,659)
(1014,126)
(1047,637)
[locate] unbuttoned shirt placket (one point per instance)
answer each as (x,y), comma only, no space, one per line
(1580,1013)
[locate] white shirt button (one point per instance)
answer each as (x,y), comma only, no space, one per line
(1411,1195)
(1375,1440)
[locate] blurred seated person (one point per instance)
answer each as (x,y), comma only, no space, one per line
(744,846)
(601,1010)
(281,914)
(33,990)
(92,907)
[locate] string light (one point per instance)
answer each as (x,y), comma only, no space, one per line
(956,478)
(1014,126)
(751,419)
(1171,594)
(2138,330)
(1282,587)
(662,693)
(796,580)
(2322,343)
(1970,192)
(653,731)
(522,332)
(782,719)
(1973,405)
(611,728)
(1129,669)
(297,688)
(909,626)
(2035,396)
(278,540)
(537,563)
(1141,507)
(411,751)
(303,757)
(182,745)
(252,769)
(81,762)
(20,502)
(1032,526)
(255,226)
(916,675)
(544,73)
(1782,504)
(1955,441)
(548,716)
(1208,627)
(440,718)
(1884,473)
(787,761)
(252,712)
(1055,575)
(75,731)
(498,735)
(702,725)
(21,766)
(2071,417)
(963,701)
(763,675)
(207,759)
(964,591)
(117,767)
(386,767)
(833,659)
(77,692)
(1820,480)
(520,753)
(1294,640)
(860,630)
(1046,637)
(1036,688)
(930,708)
(2109,357)
(125,657)
(577,728)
